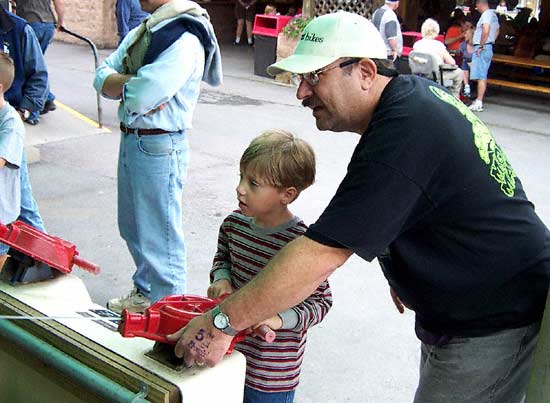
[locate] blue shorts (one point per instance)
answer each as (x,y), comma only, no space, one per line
(481,63)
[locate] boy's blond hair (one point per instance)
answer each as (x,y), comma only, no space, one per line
(280,159)
(270,9)
(7,71)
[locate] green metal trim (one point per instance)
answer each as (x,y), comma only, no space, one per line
(70,367)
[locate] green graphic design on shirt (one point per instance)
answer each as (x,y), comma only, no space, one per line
(489,151)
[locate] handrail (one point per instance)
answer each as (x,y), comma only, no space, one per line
(96,62)
(93,381)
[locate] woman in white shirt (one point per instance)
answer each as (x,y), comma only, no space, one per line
(428,44)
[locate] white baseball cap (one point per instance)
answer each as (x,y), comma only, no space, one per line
(330,37)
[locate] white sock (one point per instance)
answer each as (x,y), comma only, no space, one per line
(467,88)
(250,41)
(237,40)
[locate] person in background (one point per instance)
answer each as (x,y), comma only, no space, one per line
(430,192)
(502,8)
(428,44)
(16,199)
(156,73)
(270,9)
(465,50)
(40,16)
(386,21)
(245,10)
(128,16)
(30,85)
(485,34)
(274,169)
(455,33)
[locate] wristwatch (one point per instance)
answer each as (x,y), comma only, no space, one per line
(221,322)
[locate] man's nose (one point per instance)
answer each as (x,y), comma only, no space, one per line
(304,90)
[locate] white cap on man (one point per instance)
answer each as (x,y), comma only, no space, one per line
(329,37)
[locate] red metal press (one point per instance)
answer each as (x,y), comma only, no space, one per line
(170,314)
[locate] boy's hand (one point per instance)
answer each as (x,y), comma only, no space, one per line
(219,288)
(274,323)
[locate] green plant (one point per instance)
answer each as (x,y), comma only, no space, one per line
(295,26)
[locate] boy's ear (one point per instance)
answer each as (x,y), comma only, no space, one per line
(289,194)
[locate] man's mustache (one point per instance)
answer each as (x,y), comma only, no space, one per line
(310,102)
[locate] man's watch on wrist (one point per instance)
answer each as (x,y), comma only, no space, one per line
(221,322)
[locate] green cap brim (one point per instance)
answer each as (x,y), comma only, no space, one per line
(300,64)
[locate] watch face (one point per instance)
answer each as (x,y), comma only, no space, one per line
(221,321)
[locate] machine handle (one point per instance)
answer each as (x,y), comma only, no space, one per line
(86,265)
(265,332)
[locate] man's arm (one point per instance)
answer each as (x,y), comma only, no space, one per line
(59,6)
(485,28)
(289,278)
(114,84)
(2,163)
(156,83)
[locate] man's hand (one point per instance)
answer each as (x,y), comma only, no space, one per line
(200,343)
(397,301)
(219,288)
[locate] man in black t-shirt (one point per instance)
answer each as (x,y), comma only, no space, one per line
(430,193)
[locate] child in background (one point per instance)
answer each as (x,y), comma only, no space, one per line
(274,169)
(12,136)
(466,49)
(270,10)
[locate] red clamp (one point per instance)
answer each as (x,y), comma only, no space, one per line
(170,314)
(52,251)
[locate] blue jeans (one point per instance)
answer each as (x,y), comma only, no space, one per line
(44,32)
(488,369)
(29,213)
(257,396)
(151,174)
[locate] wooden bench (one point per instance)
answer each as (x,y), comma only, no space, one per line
(519,86)
(536,84)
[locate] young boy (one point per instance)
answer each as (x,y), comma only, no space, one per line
(12,135)
(274,169)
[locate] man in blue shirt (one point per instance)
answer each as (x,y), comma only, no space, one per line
(156,74)
(30,85)
(128,16)
(484,38)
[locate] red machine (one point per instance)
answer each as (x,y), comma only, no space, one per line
(170,314)
(47,250)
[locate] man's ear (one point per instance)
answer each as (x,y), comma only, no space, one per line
(367,70)
(289,194)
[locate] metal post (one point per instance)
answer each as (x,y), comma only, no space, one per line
(96,64)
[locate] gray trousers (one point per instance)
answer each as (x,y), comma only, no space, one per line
(489,369)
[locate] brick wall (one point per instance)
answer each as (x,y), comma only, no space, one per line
(94,19)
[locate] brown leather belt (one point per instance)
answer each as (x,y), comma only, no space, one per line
(142,132)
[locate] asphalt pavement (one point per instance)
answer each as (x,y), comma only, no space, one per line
(364,351)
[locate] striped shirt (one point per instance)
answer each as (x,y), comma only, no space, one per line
(243,250)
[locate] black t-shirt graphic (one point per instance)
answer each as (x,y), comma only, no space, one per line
(428,181)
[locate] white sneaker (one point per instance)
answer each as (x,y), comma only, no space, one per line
(135,301)
(476,106)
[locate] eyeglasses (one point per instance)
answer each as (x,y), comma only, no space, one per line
(312,78)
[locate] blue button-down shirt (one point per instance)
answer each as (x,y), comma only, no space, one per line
(172,79)
(128,16)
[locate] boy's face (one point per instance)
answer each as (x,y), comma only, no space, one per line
(257,198)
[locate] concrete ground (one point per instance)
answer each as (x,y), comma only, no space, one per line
(364,351)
